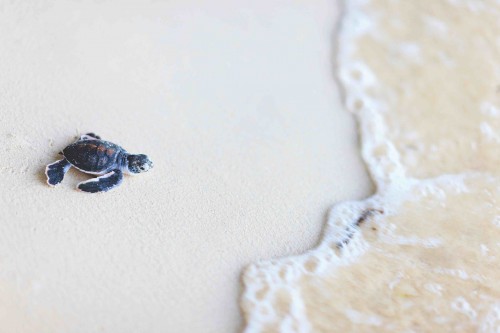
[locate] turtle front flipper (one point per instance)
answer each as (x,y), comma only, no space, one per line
(102,184)
(55,172)
(90,136)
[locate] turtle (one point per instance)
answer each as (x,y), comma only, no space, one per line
(92,155)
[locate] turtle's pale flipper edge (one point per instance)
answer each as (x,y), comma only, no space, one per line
(55,172)
(102,184)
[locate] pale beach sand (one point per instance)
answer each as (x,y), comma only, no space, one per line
(237,106)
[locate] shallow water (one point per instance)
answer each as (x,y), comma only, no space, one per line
(423,80)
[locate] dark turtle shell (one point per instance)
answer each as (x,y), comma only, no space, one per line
(93,155)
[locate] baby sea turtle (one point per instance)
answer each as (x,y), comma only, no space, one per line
(92,155)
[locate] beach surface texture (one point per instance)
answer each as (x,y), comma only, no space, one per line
(421,255)
(237,105)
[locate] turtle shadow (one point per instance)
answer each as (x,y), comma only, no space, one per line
(42,177)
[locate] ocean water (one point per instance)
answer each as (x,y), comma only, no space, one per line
(422,79)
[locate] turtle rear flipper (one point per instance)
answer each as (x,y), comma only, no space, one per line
(55,172)
(90,136)
(103,183)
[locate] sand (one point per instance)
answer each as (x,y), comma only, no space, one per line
(421,255)
(237,106)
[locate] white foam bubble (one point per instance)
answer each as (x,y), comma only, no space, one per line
(358,317)
(484,249)
(489,109)
(436,26)
(435,288)
(410,50)
(491,322)
(496,221)
(461,305)
(489,132)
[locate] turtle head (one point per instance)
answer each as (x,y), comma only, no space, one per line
(139,163)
